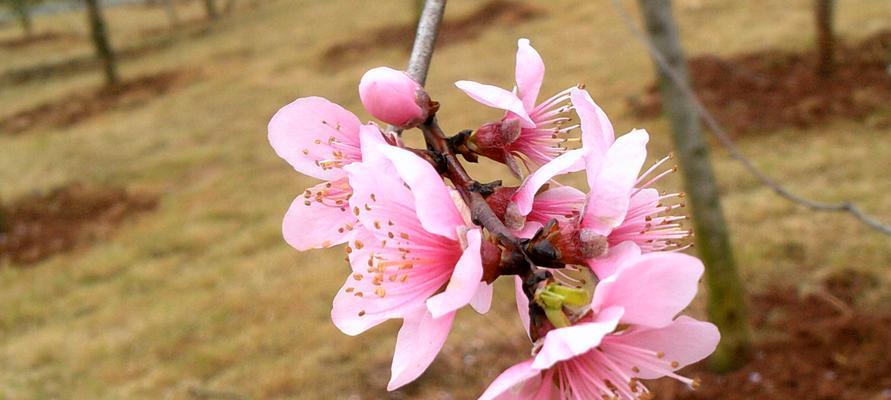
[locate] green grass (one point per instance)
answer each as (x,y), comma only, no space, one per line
(204,295)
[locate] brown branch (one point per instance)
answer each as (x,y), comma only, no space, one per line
(480,211)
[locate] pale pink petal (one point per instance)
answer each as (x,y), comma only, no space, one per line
(684,341)
(311,133)
(497,97)
(433,201)
(510,382)
(557,202)
(567,162)
(597,131)
(464,281)
(616,257)
(369,137)
(417,345)
(482,300)
(529,229)
(530,73)
(358,305)
(565,343)
(522,303)
(310,224)
(652,289)
(612,186)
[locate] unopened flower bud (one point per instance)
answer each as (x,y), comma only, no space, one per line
(493,140)
(394,97)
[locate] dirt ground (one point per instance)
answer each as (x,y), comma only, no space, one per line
(808,347)
(37,38)
(453,31)
(41,225)
(77,106)
(764,90)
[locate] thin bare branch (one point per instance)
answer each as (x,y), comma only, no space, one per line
(721,135)
(425,40)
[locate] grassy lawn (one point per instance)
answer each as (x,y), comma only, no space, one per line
(203,299)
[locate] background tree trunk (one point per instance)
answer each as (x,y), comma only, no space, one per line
(229,7)
(4,220)
(22,11)
(99,34)
(211,7)
(170,9)
(824,16)
(726,299)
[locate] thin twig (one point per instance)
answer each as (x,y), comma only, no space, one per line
(723,138)
(479,208)
(425,41)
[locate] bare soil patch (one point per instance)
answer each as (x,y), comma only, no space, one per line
(770,89)
(36,39)
(808,349)
(78,106)
(489,15)
(41,225)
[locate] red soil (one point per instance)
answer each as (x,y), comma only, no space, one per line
(42,225)
(770,89)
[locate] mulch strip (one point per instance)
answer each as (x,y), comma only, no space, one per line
(808,348)
(452,31)
(78,106)
(41,225)
(770,89)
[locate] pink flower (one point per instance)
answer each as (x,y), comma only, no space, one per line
(318,138)
(418,257)
(529,131)
(394,97)
(619,205)
(629,333)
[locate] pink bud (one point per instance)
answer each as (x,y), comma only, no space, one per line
(394,97)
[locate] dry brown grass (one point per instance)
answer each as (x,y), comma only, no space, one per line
(204,298)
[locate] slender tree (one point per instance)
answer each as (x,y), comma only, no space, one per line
(99,34)
(4,220)
(211,7)
(22,11)
(170,9)
(824,17)
(726,298)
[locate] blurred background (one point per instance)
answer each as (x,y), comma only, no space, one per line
(140,246)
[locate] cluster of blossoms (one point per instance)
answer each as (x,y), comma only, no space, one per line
(599,279)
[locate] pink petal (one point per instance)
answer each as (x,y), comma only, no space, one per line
(309,131)
(685,340)
(612,186)
(597,131)
(529,229)
(652,289)
(433,202)
(556,202)
(482,300)
(616,257)
(316,225)
(369,137)
(497,97)
(530,73)
(464,282)
(357,306)
(417,345)
(525,195)
(522,303)
(511,380)
(565,343)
